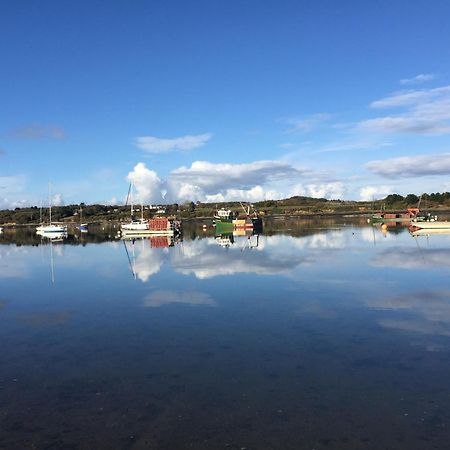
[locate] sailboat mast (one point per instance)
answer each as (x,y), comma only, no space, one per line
(50,201)
(131,202)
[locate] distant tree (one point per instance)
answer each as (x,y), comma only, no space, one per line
(394,198)
(411,199)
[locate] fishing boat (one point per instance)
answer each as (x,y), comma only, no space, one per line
(225,219)
(51,227)
(410,214)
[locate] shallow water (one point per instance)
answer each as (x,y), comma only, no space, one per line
(314,335)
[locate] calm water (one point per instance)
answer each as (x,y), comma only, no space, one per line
(316,335)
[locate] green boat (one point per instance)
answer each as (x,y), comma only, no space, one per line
(226,220)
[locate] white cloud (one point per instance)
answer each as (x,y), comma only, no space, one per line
(412,166)
(333,190)
(411,97)
(256,193)
(213,177)
(113,201)
(308,123)
(57,200)
(427,112)
(147,183)
(398,124)
(351,146)
(216,182)
(421,78)
(152,144)
(12,190)
(368,193)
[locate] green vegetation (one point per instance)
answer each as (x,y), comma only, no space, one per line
(294,206)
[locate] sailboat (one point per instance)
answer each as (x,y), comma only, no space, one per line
(135,225)
(50,228)
(83,227)
(146,227)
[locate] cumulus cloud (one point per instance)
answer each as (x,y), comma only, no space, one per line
(213,178)
(308,123)
(36,131)
(333,190)
(152,144)
(257,193)
(427,112)
(147,184)
(216,182)
(421,78)
(368,193)
(412,166)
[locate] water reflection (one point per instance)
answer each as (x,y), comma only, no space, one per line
(169,344)
(422,311)
(192,298)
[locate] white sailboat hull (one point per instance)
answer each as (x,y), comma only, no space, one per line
(52,229)
(135,226)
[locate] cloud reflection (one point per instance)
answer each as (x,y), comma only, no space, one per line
(13,262)
(426,312)
(204,258)
(191,298)
(411,258)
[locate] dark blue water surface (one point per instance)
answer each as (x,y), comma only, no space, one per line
(317,335)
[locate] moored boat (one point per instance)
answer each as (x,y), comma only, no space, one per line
(51,227)
(157,226)
(227,220)
(147,227)
(410,214)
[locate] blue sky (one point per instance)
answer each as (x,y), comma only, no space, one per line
(213,100)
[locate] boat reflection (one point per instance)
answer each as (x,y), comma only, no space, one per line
(428,231)
(52,236)
(248,238)
(143,255)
